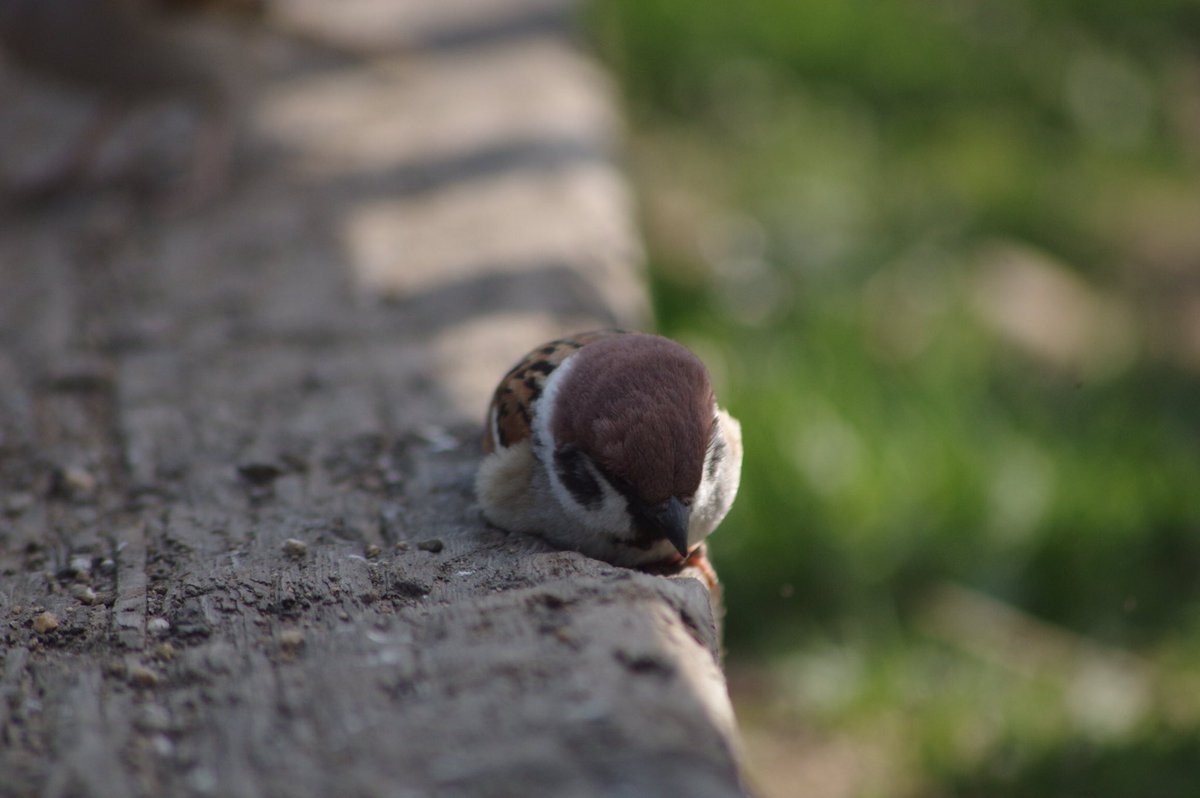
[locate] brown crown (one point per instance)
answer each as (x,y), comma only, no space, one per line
(641,407)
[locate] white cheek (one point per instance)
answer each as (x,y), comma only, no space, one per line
(699,527)
(543,437)
(705,511)
(719,486)
(543,417)
(610,515)
(494,422)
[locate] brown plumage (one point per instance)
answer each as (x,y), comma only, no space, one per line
(643,413)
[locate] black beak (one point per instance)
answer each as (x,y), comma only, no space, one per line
(671,519)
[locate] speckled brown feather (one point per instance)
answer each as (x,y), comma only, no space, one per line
(523,384)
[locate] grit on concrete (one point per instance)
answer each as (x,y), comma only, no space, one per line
(239,550)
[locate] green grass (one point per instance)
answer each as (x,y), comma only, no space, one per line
(855,212)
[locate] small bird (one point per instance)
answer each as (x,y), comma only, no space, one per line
(611,443)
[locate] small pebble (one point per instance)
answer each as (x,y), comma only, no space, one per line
(165,652)
(291,639)
(80,567)
(163,746)
(78,481)
(141,676)
(372,551)
(46,622)
(295,548)
(158,626)
(433,545)
(401,545)
(84,594)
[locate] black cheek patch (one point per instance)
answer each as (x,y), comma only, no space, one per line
(571,466)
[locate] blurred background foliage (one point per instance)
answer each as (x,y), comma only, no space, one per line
(943,259)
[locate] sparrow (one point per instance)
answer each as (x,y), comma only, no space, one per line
(611,443)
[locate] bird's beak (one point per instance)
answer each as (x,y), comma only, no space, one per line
(671,518)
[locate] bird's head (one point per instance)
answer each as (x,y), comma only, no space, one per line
(630,438)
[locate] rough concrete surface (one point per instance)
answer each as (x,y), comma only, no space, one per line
(239,550)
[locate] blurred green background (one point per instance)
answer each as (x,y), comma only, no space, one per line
(943,259)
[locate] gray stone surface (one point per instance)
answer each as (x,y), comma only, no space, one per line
(237,445)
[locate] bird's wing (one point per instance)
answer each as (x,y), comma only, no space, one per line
(510,416)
